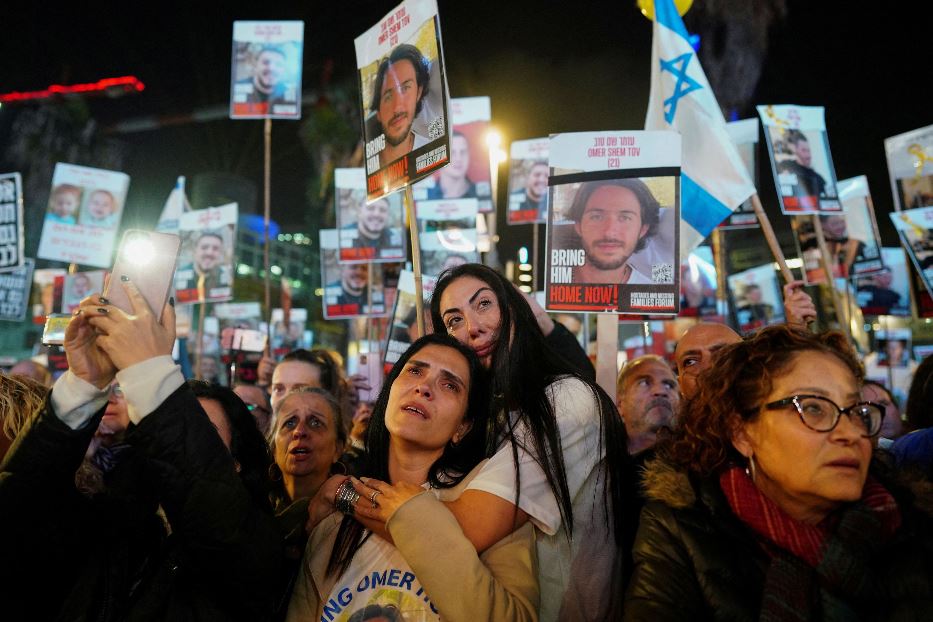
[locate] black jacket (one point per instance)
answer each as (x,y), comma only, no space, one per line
(175,537)
(695,560)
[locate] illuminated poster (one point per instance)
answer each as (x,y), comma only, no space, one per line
(403,94)
(447,234)
(800,158)
(83,215)
(528,174)
(369,232)
(265,76)
(614,224)
(205,262)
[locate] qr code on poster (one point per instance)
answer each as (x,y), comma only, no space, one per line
(662,273)
(436,128)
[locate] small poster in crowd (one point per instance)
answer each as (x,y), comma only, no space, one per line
(205,262)
(43,296)
(698,284)
(77,286)
(11,221)
(801,162)
(757,299)
(886,292)
(468,175)
(915,226)
(350,289)
(403,92)
(403,330)
(238,315)
(290,337)
(14,292)
(369,232)
(83,215)
(265,77)
(744,135)
(910,166)
(528,175)
(368,367)
(613,235)
(893,347)
(447,234)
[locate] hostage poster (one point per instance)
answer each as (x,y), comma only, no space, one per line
(265,73)
(614,224)
(205,262)
(910,166)
(447,234)
(350,289)
(403,97)
(369,232)
(744,135)
(528,174)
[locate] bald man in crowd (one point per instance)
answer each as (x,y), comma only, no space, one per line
(647,398)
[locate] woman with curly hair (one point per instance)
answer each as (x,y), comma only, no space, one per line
(766,504)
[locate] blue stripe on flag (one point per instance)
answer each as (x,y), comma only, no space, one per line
(668,17)
(702,210)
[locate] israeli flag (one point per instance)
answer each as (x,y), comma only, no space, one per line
(714,179)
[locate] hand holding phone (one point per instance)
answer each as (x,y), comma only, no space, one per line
(148,259)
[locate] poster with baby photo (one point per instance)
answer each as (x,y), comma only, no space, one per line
(11,221)
(350,289)
(910,167)
(447,234)
(77,286)
(83,215)
(265,80)
(469,173)
(369,232)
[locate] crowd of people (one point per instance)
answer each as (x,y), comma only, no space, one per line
(492,479)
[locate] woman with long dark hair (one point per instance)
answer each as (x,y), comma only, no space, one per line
(559,445)
(426,436)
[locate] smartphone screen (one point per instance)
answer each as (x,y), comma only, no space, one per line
(148,258)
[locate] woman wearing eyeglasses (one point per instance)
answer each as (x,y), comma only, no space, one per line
(766,503)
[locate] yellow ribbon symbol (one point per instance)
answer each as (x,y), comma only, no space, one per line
(919,231)
(917,151)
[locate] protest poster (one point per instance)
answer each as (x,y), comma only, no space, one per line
(801,162)
(910,167)
(350,290)
(403,97)
(852,237)
(886,292)
(43,297)
(528,175)
(469,174)
(614,224)
(744,135)
(205,262)
(368,367)
(83,215)
(369,232)
(77,286)
(757,299)
(290,337)
(14,292)
(265,71)
(914,227)
(11,221)
(698,284)
(893,347)
(447,234)
(238,315)
(403,330)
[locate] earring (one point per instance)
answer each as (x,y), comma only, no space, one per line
(750,467)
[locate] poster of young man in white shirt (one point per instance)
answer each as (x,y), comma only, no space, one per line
(614,223)
(369,232)
(265,73)
(447,234)
(403,92)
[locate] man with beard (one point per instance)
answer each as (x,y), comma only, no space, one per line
(266,85)
(353,297)
(843,250)
(648,398)
(452,181)
(205,277)
(613,219)
(398,97)
(533,199)
(809,185)
(373,230)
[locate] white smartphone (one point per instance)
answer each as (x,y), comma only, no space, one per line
(148,259)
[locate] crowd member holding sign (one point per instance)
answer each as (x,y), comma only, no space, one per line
(560,441)
(193,471)
(427,434)
(614,219)
(398,94)
(766,503)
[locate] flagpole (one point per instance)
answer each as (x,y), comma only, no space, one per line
(826,260)
(771,239)
(534,258)
(415,259)
(266,209)
(719,257)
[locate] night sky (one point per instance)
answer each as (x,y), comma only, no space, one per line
(548,67)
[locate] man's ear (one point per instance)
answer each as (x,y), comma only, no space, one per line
(576,228)
(644,230)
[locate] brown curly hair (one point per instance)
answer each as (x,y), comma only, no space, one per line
(733,390)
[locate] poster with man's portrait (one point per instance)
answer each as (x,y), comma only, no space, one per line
(910,167)
(83,215)
(915,226)
(291,336)
(698,284)
(12,238)
(403,97)
(403,329)
(447,234)
(350,289)
(744,135)
(801,161)
(265,72)
(78,286)
(756,298)
(613,233)
(528,175)
(205,262)
(369,232)
(893,347)
(886,292)
(468,175)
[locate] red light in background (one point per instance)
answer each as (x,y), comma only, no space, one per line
(112,87)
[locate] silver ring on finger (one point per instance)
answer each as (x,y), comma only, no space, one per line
(372,498)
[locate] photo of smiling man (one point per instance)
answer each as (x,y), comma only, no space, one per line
(266,70)
(205,272)
(369,232)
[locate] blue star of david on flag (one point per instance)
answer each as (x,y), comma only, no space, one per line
(685,84)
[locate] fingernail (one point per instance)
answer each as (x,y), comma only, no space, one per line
(103,301)
(77,312)
(171,300)
(124,278)
(101,310)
